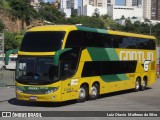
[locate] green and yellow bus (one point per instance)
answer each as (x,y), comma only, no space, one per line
(65,62)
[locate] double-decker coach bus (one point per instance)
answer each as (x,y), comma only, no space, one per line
(64,62)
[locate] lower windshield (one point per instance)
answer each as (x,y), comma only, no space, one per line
(36,70)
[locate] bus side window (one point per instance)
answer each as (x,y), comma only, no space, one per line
(68,64)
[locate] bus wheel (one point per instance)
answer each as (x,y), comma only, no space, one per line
(143,84)
(83,93)
(137,85)
(94,92)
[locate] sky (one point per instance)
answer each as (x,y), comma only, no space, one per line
(118,2)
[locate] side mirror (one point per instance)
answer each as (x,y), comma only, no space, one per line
(58,54)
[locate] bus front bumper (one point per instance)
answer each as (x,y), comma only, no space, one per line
(39,98)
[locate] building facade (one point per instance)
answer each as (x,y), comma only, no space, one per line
(137,3)
(128,3)
(111,2)
(127,12)
(147,9)
(155,9)
(88,10)
(86,7)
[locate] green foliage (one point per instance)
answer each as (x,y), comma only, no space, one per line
(23,10)
(73,13)
(51,13)
(108,21)
(156,31)
(96,13)
(86,21)
(1,26)
(4,5)
(12,40)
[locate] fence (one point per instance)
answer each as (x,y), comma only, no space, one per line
(7,77)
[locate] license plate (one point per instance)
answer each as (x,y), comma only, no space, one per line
(33,97)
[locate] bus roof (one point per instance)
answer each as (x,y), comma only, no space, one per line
(82,28)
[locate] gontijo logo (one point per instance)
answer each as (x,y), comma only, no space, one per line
(136,55)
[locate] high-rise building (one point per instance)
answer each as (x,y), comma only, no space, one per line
(137,2)
(147,9)
(111,2)
(128,3)
(155,9)
(86,7)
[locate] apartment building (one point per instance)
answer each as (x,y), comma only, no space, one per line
(125,11)
(128,3)
(111,2)
(155,9)
(137,3)
(147,9)
(87,7)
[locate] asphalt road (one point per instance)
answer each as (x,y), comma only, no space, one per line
(148,100)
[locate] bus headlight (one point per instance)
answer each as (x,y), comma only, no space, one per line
(52,90)
(19,90)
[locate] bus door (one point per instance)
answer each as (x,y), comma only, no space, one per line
(68,67)
(66,82)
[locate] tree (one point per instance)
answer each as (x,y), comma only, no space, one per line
(23,10)
(96,13)
(51,13)
(108,21)
(122,18)
(73,12)
(86,21)
(12,40)
(156,31)
(137,27)
(1,26)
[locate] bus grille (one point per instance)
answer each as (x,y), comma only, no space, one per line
(35,92)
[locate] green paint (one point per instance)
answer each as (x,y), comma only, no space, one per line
(98,54)
(114,78)
(102,31)
(58,54)
(82,28)
(102,54)
(112,53)
(122,77)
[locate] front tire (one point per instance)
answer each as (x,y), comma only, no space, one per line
(94,92)
(83,93)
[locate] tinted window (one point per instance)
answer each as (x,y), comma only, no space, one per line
(97,68)
(42,41)
(92,39)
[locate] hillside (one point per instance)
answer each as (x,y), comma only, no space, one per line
(13,24)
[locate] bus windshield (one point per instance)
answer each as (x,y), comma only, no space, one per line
(36,70)
(42,41)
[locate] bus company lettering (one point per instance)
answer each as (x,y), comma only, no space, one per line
(136,55)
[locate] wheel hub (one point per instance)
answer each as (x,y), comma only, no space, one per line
(82,93)
(94,91)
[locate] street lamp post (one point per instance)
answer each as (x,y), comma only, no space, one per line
(150,28)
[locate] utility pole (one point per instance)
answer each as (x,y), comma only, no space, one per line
(2,62)
(2,45)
